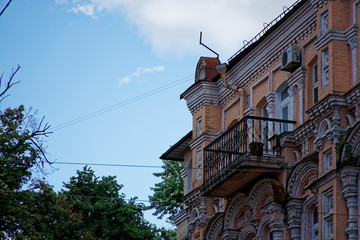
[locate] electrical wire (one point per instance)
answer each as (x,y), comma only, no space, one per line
(121,104)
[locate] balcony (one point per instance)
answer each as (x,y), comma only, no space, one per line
(247,150)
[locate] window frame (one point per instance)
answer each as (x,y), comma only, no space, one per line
(325,68)
(315,83)
(198,164)
(327,160)
(198,126)
(324,23)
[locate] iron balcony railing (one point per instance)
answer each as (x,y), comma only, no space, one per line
(251,135)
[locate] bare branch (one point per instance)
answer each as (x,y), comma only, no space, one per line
(41,149)
(9,84)
(5,7)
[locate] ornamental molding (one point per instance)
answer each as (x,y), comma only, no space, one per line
(299,174)
(318,3)
(296,77)
(215,226)
(195,143)
(234,206)
(200,94)
(323,180)
(329,36)
(192,198)
(182,216)
(352,97)
(349,36)
(304,131)
(326,106)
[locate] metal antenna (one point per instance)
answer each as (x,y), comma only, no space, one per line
(217,55)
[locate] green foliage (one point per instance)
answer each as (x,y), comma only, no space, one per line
(20,150)
(105,214)
(168,194)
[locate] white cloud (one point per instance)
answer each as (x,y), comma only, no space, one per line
(87,9)
(61,2)
(138,72)
(173,26)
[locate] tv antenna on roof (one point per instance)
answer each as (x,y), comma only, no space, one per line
(217,55)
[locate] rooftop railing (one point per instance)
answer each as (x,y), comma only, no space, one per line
(267,26)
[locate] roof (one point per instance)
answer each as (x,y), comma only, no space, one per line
(261,36)
(176,152)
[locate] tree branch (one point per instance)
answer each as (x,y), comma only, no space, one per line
(9,84)
(5,7)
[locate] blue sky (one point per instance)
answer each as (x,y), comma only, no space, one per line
(81,57)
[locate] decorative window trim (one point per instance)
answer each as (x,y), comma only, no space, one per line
(315,84)
(198,164)
(198,127)
(327,206)
(324,23)
(325,67)
(327,160)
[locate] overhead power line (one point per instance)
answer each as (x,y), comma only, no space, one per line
(107,164)
(154,166)
(122,104)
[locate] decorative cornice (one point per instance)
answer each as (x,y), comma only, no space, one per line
(329,36)
(326,106)
(192,198)
(203,137)
(349,36)
(304,131)
(201,94)
(318,3)
(296,76)
(352,97)
(182,216)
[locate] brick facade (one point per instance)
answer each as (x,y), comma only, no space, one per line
(303,184)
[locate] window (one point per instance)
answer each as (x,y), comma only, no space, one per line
(324,68)
(285,107)
(189,176)
(327,160)
(324,21)
(315,224)
(315,84)
(198,164)
(327,202)
(198,126)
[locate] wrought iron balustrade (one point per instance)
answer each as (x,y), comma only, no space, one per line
(251,135)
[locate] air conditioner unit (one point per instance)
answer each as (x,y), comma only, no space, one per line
(290,59)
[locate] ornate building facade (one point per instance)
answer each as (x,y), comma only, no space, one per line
(274,152)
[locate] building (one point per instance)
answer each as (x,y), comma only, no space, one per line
(274,152)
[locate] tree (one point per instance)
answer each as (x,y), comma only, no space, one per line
(104,212)
(168,194)
(21,149)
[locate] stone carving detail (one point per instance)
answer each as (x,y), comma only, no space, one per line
(318,3)
(349,177)
(298,176)
(353,42)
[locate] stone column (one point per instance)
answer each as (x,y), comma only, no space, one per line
(294,210)
(349,177)
(276,223)
(300,85)
(353,43)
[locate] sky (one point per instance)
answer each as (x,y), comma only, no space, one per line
(107,75)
